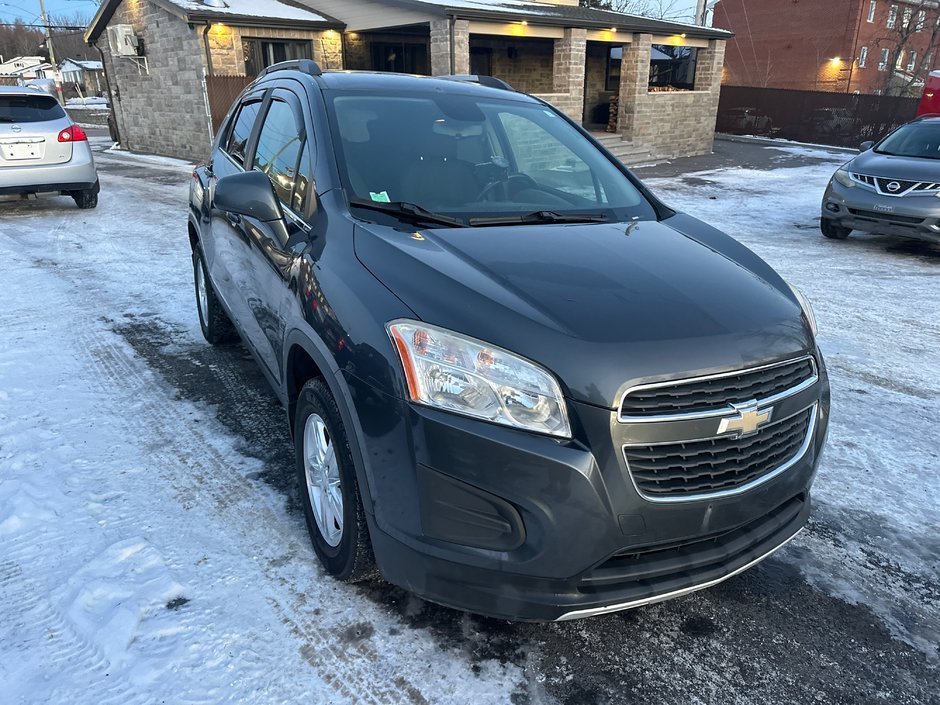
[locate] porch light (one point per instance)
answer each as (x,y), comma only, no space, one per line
(613,30)
(683,35)
(524,23)
(836,60)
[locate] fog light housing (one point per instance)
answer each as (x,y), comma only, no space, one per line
(832,207)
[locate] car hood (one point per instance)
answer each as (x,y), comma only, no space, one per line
(871,163)
(599,305)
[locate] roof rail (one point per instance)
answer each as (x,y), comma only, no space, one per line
(303,65)
(926,116)
(488,81)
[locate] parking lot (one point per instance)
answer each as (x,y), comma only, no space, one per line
(152,547)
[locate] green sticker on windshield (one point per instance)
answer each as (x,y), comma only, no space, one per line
(380,197)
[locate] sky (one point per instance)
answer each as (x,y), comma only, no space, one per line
(29,9)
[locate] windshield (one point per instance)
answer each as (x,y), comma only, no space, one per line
(914,140)
(475,158)
(29,108)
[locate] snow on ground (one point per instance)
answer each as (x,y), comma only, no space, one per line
(144,559)
(876,301)
(144,562)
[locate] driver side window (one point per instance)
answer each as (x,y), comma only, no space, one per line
(547,161)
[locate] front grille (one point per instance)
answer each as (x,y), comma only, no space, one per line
(656,568)
(872,215)
(718,391)
(688,469)
(904,186)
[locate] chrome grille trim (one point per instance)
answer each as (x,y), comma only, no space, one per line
(739,489)
(908,187)
(717,411)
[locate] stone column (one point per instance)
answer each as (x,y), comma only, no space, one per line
(568,71)
(634,83)
(356,56)
(328,50)
(441,47)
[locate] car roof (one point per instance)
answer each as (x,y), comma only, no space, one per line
(386,81)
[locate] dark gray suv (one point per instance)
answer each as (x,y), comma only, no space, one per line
(517,382)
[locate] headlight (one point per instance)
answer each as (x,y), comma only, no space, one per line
(843,177)
(807,308)
(466,376)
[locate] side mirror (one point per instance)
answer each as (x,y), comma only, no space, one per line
(249,193)
(865,146)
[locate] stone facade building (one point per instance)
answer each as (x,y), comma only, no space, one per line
(653,83)
(159,94)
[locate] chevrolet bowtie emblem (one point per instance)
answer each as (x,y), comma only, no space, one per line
(746,420)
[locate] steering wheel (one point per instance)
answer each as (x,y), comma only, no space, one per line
(512,185)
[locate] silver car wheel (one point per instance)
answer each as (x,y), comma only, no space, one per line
(202,296)
(324,486)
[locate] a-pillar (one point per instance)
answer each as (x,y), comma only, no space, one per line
(445,58)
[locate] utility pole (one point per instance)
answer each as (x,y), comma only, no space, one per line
(55,69)
(48,32)
(701,9)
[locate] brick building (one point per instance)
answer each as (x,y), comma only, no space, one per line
(665,77)
(844,46)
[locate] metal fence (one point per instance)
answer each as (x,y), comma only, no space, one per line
(222,92)
(839,119)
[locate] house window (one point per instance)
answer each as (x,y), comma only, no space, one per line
(893,17)
(921,21)
(871,10)
(885,57)
(261,53)
(912,62)
(863,57)
(900,62)
(672,68)
(614,61)
(908,14)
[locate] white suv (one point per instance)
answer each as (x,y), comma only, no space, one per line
(42,150)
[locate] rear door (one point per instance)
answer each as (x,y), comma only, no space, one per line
(283,152)
(30,125)
(228,247)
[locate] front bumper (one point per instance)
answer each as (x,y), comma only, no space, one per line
(519,526)
(860,208)
(76,174)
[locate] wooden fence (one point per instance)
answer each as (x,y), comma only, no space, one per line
(222,92)
(839,119)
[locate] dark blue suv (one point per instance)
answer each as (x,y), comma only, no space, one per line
(517,382)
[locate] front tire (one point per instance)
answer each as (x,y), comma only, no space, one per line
(833,231)
(328,487)
(217,329)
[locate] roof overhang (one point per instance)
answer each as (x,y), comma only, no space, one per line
(207,16)
(569,16)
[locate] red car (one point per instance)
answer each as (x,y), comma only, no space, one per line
(930,103)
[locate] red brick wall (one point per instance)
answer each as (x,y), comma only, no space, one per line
(795,43)
(789,43)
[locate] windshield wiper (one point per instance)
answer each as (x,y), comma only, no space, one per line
(409,211)
(541,217)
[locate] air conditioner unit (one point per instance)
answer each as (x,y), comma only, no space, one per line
(122,40)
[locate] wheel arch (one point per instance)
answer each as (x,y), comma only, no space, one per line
(306,359)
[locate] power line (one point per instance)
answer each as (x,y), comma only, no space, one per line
(43,26)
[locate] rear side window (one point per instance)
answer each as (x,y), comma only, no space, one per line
(237,144)
(279,148)
(29,108)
